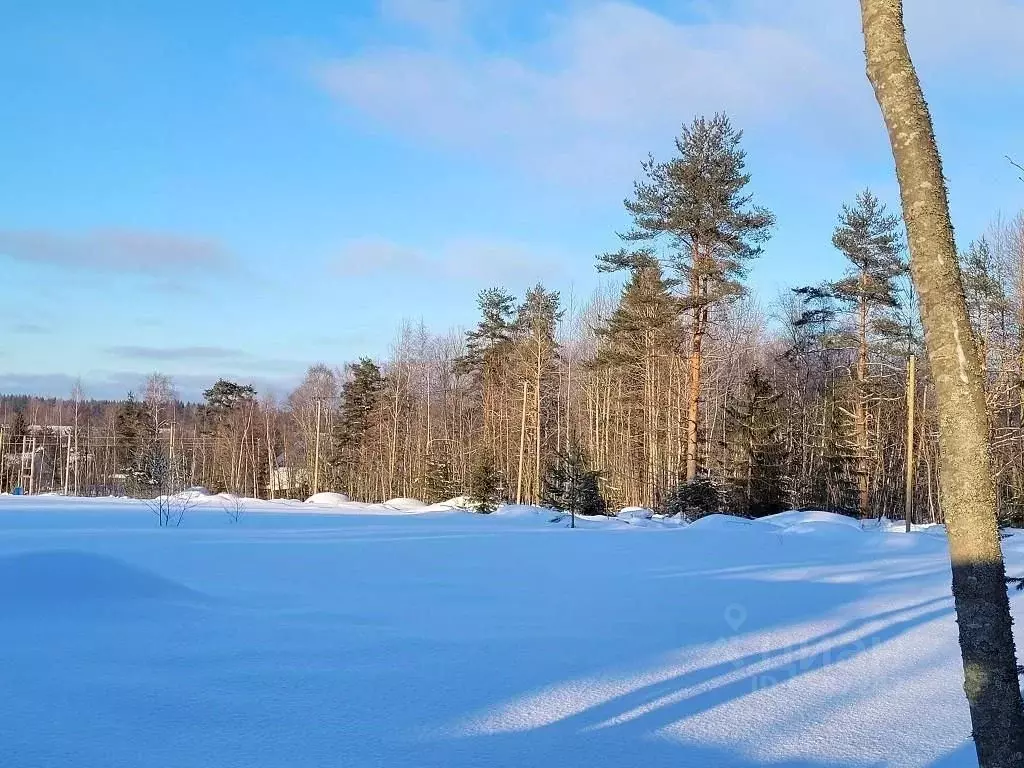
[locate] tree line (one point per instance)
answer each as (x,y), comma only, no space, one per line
(673,383)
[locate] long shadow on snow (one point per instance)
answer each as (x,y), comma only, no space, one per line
(660,716)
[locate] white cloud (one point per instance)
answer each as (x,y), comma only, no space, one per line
(607,81)
(120,250)
(471,260)
(443,19)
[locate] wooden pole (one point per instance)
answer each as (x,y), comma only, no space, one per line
(67,467)
(32,468)
(522,447)
(908,489)
(316,451)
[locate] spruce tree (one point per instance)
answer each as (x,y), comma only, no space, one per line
(693,499)
(360,396)
(439,482)
(535,326)
(487,362)
(696,204)
(571,486)
(758,476)
(485,486)
(638,340)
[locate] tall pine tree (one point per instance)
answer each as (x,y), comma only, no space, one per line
(696,204)
(863,307)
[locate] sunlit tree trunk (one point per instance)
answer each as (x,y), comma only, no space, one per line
(968,492)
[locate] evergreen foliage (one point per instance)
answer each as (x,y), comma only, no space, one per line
(759,483)
(439,481)
(571,486)
(696,201)
(360,396)
(694,499)
(486,490)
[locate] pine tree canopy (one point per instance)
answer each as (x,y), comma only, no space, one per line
(695,203)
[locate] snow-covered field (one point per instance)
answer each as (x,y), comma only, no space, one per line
(345,635)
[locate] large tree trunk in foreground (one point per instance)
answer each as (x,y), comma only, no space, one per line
(967,485)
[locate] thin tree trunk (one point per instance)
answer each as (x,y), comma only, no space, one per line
(908,486)
(967,487)
(693,403)
(861,405)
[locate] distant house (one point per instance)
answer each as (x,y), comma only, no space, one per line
(285,480)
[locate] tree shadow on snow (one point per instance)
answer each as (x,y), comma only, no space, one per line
(626,727)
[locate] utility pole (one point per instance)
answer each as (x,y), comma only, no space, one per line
(522,447)
(32,468)
(316,449)
(67,467)
(909,486)
(170,462)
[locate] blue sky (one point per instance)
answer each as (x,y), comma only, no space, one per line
(245,188)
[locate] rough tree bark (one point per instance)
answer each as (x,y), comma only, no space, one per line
(967,486)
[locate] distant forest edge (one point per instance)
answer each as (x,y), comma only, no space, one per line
(677,391)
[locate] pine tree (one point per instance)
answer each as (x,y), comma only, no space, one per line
(571,486)
(491,337)
(485,486)
(867,303)
(225,396)
(696,204)
(988,304)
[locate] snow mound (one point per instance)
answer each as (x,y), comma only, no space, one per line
(459,502)
(525,510)
(635,513)
(197,495)
(404,504)
(61,577)
(720,523)
(796,517)
(328,499)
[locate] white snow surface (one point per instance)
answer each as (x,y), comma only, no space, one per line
(328,499)
(635,513)
(358,635)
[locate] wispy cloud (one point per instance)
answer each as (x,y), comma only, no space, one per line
(166,354)
(226,360)
(606,81)
(472,260)
(115,250)
(117,384)
(30,329)
(442,19)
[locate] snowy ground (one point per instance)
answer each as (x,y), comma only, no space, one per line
(358,636)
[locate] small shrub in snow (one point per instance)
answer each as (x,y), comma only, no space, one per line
(693,499)
(234,506)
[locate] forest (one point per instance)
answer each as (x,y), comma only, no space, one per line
(673,387)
